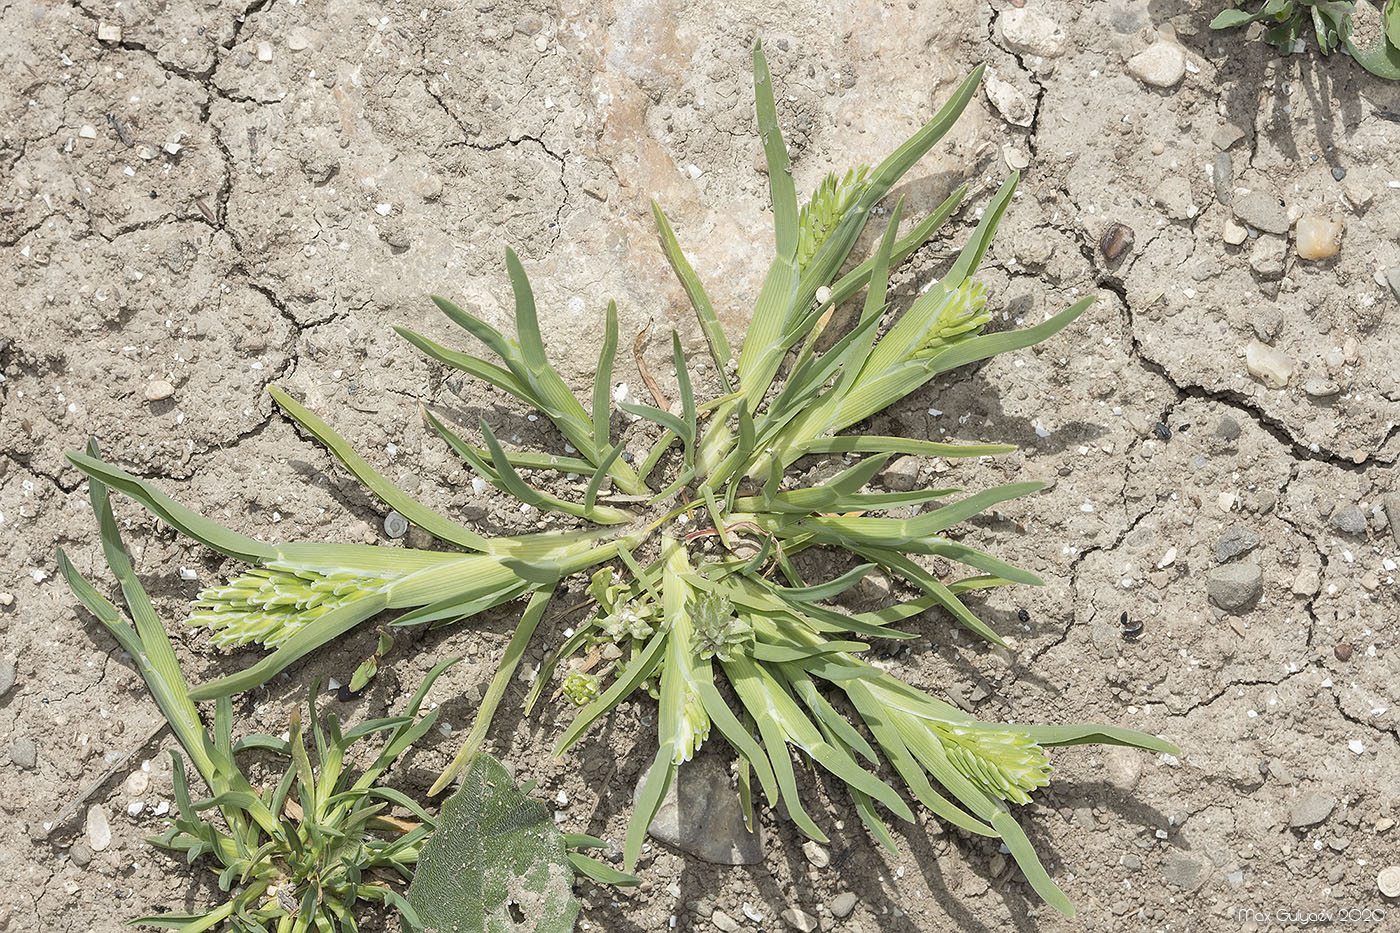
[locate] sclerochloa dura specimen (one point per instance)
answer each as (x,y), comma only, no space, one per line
(696,552)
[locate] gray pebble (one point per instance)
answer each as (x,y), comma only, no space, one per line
(80,854)
(1236,541)
(723,921)
(1224,178)
(1392,278)
(842,905)
(1310,809)
(7,676)
(1184,872)
(24,753)
(1268,255)
(1317,387)
(1391,501)
(1235,587)
(902,475)
(1227,136)
(1263,212)
(1338,173)
(800,920)
(1267,324)
(1228,428)
(1349,520)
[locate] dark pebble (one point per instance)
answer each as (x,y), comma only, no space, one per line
(1343,651)
(1117,240)
(1163,432)
(1023,615)
(1339,173)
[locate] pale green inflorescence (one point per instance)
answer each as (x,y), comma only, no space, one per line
(581,687)
(719,633)
(269,604)
(824,211)
(960,318)
(1002,762)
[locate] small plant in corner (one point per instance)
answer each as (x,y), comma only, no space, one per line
(1369,35)
(704,589)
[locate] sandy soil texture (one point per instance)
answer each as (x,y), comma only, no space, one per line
(202,197)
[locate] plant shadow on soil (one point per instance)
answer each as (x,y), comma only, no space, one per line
(1246,60)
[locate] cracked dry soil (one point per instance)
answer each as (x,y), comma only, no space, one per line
(221,196)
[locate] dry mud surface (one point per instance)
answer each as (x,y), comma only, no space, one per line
(227,196)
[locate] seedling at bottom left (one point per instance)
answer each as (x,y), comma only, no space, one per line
(294,858)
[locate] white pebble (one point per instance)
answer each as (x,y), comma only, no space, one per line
(99,831)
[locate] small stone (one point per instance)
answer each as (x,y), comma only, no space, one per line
(903,474)
(1013,105)
(1343,652)
(1262,211)
(1310,809)
(1162,64)
(1320,388)
(1168,558)
(1307,582)
(1338,173)
(7,599)
(87,131)
(1391,503)
(1235,542)
(816,854)
(1235,587)
(1318,237)
(1184,872)
(80,854)
(1267,323)
(1117,240)
(24,753)
(722,921)
(7,675)
(158,390)
(1030,32)
(1388,881)
(1392,278)
(1349,520)
(297,40)
(843,904)
(1227,428)
(1227,136)
(1223,177)
(264,51)
(1173,194)
(1015,159)
(1268,365)
(137,783)
(1123,767)
(800,920)
(700,814)
(99,832)
(109,32)
(1267,256)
